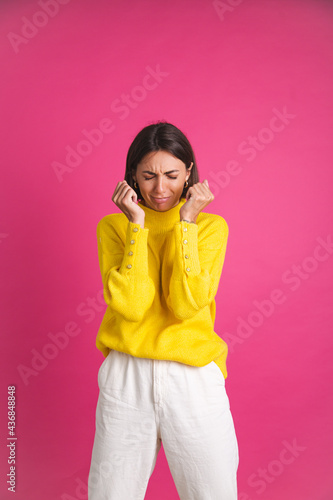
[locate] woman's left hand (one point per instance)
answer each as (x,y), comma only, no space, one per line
(198,197)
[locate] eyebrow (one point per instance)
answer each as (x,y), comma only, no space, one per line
(153,173)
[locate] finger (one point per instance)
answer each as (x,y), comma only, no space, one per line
(118,199)
(203,193)
(122,189)
(194,190)
(201,188)
(134,197)
(189,192)
(205,184)
(118,188)
(128,195)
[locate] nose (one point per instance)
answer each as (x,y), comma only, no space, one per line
(159,185)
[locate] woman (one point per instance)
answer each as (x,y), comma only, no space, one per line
(163,377)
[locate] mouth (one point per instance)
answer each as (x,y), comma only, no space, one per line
(160,200)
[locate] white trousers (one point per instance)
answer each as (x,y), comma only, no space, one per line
(143,402)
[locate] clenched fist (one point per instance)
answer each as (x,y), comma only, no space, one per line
(198,197)
(126,199)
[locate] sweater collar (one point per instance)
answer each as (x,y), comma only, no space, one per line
(162,221)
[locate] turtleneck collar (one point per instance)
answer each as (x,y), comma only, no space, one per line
(162,221)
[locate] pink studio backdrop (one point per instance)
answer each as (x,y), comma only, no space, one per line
(250,83)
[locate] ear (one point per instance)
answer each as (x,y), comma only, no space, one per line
(188,170)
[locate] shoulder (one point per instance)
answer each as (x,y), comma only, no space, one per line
(213,226)
(112,223)
(112,220)
(213,221)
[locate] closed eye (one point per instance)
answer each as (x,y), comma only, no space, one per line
(148,178)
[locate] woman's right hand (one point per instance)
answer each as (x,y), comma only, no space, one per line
(125,198)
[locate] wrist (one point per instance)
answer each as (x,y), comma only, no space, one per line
(188,216)
(141,222)
(188,220)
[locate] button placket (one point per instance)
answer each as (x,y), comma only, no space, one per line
(188,235)
(132,242)
(185,242)
(186,256)
(188,269)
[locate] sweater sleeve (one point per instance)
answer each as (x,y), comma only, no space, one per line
(197,267)
(128,289)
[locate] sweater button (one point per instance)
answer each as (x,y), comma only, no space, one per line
(185,242)
(187,257)
(188,269)
(185,229)
(130,253)
(135,229)
(129,266)
(132,242)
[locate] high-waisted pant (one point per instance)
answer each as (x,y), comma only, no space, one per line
(143,402)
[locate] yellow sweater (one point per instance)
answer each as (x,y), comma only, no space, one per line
(159,284)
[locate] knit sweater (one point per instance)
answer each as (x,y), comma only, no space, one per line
(159,284)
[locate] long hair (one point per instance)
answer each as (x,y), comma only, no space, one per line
(160,136)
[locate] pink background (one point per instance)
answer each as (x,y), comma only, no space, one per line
(224,77)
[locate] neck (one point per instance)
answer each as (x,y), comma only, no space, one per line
(162,221)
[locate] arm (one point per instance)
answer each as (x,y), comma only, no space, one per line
(128,289)
(197,267)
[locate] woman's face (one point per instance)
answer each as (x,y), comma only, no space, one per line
(161,178)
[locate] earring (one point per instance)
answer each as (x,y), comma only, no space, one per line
(186,184)
(135,185)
